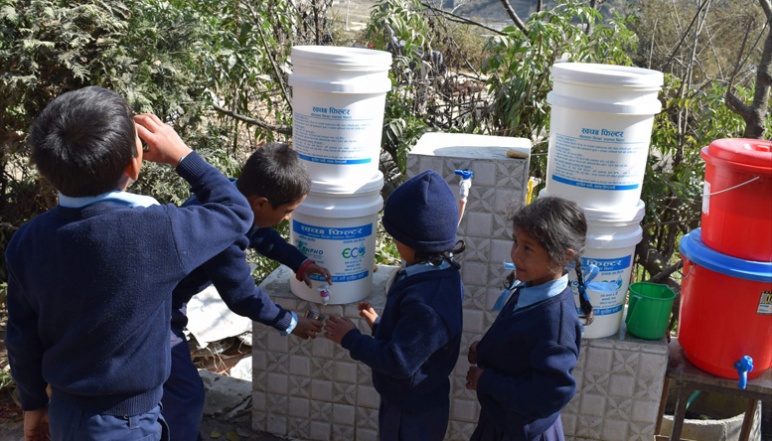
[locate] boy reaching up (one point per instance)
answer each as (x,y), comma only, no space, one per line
(90,280)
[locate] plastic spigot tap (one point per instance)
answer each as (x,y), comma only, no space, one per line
(743,366)
(324,292)
(465,174)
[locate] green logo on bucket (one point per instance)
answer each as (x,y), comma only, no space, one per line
(308,251)
(353,253)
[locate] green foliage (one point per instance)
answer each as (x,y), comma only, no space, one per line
(519,63)
(519,67)
(672,188)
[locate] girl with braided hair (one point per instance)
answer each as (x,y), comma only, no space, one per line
(521,369)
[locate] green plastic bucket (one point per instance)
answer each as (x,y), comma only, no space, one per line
(648,311)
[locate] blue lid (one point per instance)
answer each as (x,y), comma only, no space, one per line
(695,250)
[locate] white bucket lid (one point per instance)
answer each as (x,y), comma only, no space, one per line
(613,240)
(370,86)
(346,188)
(595,215)
(340,208)
(343,57)
(608,75)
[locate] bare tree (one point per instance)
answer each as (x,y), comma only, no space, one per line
(755,113)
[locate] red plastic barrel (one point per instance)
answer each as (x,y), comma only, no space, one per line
(726,310)
(737,198)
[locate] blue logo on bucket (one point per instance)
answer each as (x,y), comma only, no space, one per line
(608,265)
(335,233)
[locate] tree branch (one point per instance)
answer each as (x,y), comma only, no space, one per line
(460,19)
(284,130)
(755,114)
(513,15)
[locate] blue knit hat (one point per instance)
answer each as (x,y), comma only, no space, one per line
(422,213)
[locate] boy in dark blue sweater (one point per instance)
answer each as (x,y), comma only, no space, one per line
(416,341)
(90,281)
(275,182)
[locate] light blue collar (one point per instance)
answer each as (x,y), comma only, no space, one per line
(115,197)
(530,295)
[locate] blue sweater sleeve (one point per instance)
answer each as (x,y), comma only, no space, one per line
(223,216)
(232,276)
(22,335)
(418,333)
(268,242)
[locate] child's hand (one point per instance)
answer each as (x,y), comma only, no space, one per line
(337,327)
(307,328)
(313,268)
(473,376)
(36,425)
(367,311)
(164,143)
(472,354)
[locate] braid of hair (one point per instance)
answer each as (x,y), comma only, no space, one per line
(436,259)
(584,298)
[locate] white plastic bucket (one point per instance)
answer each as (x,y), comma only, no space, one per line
(600,130)
(611,241)
(338,101)
(336,225)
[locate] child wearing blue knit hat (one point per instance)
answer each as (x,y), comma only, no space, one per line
(416,342)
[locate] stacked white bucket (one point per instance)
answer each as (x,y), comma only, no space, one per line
(338,101)
(600,129)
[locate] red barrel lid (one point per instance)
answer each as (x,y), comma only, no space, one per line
(755,153)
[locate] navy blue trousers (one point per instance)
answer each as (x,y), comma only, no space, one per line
(183,399)
(68,422)
(398,424)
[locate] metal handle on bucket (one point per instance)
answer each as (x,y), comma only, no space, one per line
(732,188)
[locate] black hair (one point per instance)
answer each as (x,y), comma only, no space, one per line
(274,171)
(83,141)
(558,225)
(448,255)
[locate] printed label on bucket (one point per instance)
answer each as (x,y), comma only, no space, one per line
(598,159)
(344,251)
(606,290)
(338,130)
(765,304)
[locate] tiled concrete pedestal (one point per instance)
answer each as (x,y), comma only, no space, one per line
(312,390)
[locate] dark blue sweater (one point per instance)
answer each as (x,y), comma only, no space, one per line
(89,292)
(232,276)
(417,340)
(528,356)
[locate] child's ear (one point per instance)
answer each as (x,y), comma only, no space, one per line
(258,202)
(570,256)
(132,169)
